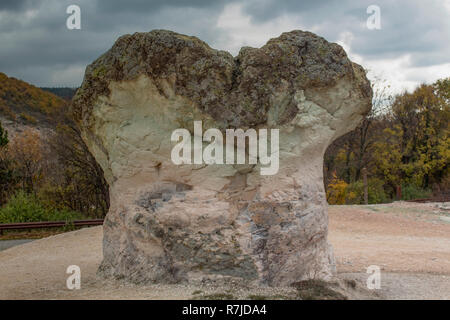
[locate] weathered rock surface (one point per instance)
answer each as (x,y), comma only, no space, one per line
(170,223)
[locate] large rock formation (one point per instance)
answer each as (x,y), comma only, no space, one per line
(170,223)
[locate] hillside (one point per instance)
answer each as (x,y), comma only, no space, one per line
(65,93)
(26,104)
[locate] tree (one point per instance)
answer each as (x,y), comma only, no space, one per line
(403,142)
(26,152)
(349,154)
(79,183)
(423,117)
(3,137)
(6,172)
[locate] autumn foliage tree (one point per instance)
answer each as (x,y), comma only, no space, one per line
(349,154)
(405,145)
(26,152)
(6,174)
(3,137)
(416,147)
(81,185)
(44,160)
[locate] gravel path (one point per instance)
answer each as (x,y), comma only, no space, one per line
(410,243)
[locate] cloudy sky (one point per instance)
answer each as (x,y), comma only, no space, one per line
(412,46)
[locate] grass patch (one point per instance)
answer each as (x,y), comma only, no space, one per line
(262,297)
(218,296)
(24,207)
(197,292)
(257,297)
(317,290)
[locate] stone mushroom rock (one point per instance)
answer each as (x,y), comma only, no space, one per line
(191,222)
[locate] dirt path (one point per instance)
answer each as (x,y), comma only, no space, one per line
(410,243)
(400,237)
(6,244)
(409,286)
(35,269)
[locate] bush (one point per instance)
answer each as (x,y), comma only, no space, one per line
(411,192)
(23,207)
(337,191)
(28,118)
(375,189)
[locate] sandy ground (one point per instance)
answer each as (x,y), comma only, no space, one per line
(6,244)
(399,237)
(410,243)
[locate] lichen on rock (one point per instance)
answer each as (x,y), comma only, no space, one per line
(171,223)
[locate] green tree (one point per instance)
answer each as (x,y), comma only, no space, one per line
(423,116)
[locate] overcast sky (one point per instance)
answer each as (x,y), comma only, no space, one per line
(412,46)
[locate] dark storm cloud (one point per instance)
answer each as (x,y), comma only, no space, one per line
(418,27)
(13,5)
(139,6)
(37,47)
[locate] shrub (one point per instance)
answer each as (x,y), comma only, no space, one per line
(8,112)
(337,192)
(375,189)
(28,118)
(411,192)
(318,290)
(23,207)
